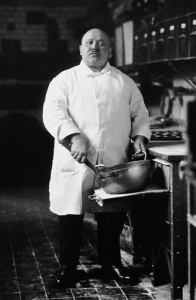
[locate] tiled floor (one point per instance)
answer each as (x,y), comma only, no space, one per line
(28,255)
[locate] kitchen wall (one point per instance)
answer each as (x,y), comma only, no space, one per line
(36,40)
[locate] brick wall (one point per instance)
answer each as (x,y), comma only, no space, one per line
(33,34)
(39,38)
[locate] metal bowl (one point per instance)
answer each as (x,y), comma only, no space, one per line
(130,177)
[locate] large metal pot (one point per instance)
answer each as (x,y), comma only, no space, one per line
(123,178)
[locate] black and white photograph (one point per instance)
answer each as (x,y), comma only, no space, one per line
(97,149)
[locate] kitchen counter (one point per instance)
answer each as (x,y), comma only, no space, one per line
(171,151)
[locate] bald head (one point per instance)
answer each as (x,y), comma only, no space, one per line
(95,49)
(97,32)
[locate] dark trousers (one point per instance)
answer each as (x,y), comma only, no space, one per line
(109,228)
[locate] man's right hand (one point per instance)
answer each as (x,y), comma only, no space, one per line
(79,147)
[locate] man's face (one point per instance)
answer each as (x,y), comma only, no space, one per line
(95,49)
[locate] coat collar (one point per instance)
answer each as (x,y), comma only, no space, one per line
(89,73)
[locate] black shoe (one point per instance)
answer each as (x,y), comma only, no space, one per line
(66,276)
(122,272)
(118,272)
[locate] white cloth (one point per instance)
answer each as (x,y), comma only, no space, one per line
(108,120)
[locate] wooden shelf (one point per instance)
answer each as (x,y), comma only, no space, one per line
(150,189)
(100,201)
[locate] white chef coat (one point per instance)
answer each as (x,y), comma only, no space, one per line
(109,109)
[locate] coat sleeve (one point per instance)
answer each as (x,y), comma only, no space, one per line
(139,114)
(56,116)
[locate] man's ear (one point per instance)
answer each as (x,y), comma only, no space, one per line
(110,53)
(80,49)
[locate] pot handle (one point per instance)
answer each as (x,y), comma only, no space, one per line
(139,155)
(96,198)
(90,165)
(145,155)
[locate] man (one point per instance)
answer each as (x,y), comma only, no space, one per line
(93,109)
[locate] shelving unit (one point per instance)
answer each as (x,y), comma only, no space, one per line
(162,31)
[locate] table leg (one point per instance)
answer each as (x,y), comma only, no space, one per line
(178,231)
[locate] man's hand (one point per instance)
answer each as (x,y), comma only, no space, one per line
(79,147)
(139,144)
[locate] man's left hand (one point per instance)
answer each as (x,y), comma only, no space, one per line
(139,144)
